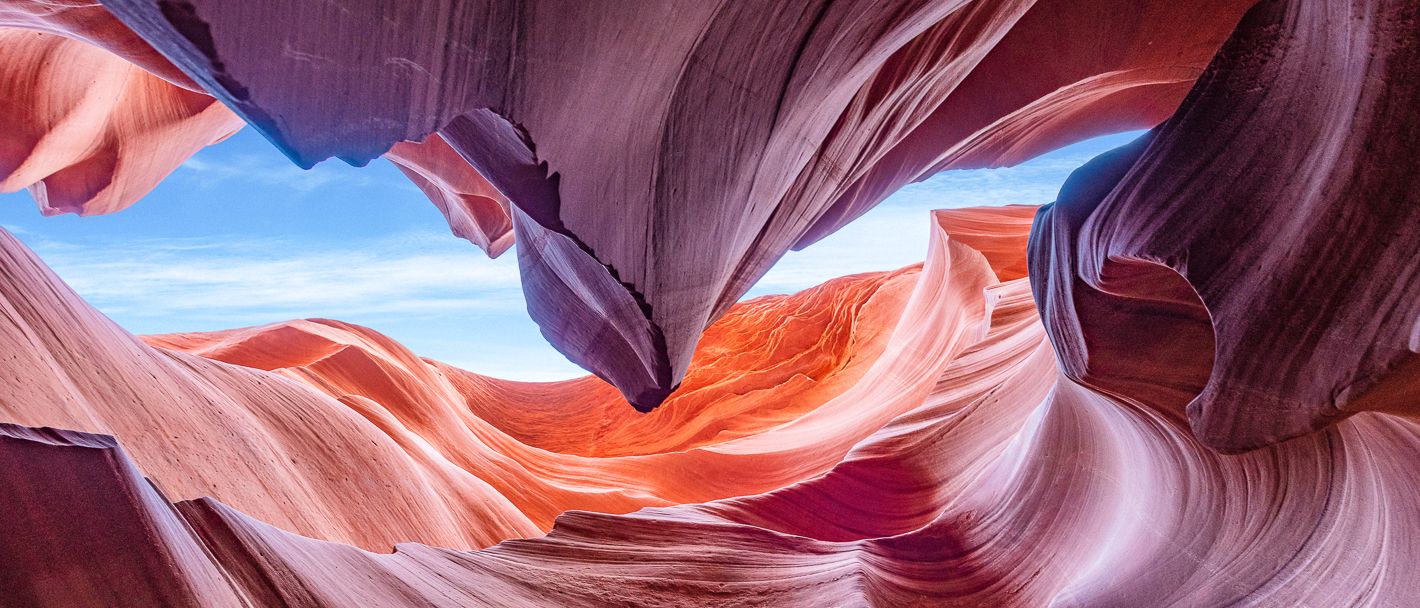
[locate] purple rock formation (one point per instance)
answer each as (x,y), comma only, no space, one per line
(664,155)
(1275,215)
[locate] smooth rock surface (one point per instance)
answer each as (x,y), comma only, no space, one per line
(1254,258)
(95,118)
(88,132)
(1190,382)
(664,155)
(346,412)
(1000,483)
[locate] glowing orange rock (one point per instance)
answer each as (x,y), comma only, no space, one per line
(906,438)
(651,189)
(349,412)
(998,483)
(96,118)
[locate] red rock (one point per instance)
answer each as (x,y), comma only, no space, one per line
(92,132)
(348,412)
(83,528)
(1238,280)
(999,233)
(88,21)
(1004,485)
(654,188)
(88,132)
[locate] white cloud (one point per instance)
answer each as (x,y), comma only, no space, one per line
(266,170)
(265,280)
(436,294)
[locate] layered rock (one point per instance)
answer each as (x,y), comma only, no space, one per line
(662,157)
(88,21)
(96,118)
(1000,483)
(1252,259)
(1240,280)
(88,132)
(116,541)
(475,210)
(349,412)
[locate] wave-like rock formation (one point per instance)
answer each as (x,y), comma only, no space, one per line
(1253,258)
(87,21)
(86,131)
(996,482)
(476,211)
(1189,381)
(351,413)
(653,188)
(804,350)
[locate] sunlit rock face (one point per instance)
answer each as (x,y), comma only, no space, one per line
(88,21)
(1189,381)
(661,157)
(961,470)
(348,412)
(88,132)
(475,210)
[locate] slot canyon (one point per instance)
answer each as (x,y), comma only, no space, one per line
(1191,379)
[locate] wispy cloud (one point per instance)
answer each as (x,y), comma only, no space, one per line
(254,280)
(436,294)
(266,170)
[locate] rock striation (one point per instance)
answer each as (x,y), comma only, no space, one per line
(1189,381)
(96,118)
(287,421)
(997,482)
(88,132)
(652,189)
(475,210)
(1250,259)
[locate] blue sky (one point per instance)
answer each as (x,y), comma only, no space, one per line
(239,236)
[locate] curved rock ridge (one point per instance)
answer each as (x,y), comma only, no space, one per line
(999,233)
(88,21)
(1189,382)
(767,362)
(1252,259)
(1001,483)
(475,210)
(351,413)
(88,132)
(275,448)
(143,554)
(652,189)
